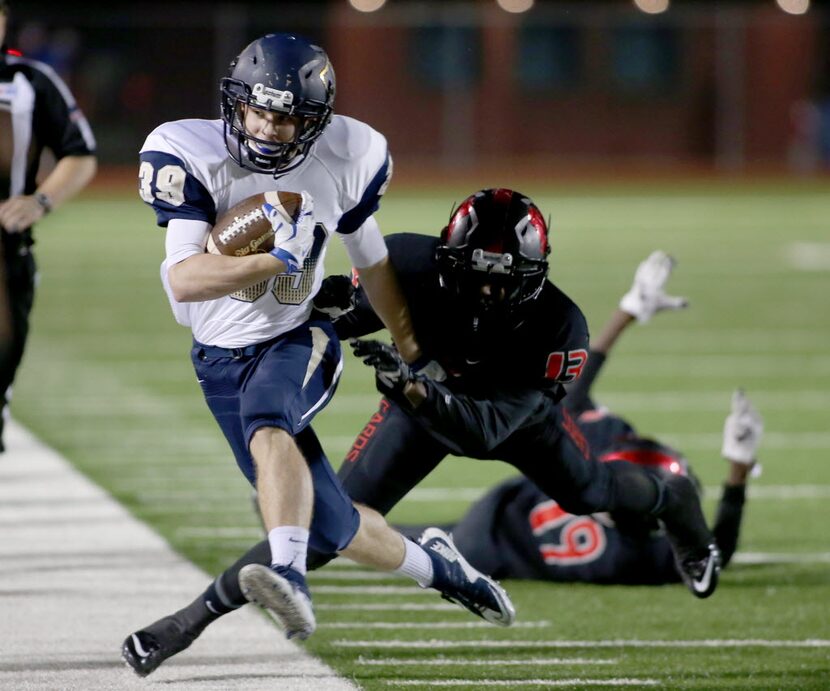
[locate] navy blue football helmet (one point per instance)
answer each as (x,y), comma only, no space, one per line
(493,254)
(282,73)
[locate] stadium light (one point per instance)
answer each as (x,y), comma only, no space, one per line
(367,5)
(652,6)
(794,6)
(515,6)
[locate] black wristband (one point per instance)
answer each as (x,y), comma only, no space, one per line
(44,201)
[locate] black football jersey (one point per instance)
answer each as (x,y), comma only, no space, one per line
(543,541)
(501,381)
(548,349)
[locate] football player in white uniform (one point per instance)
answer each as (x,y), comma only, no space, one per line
(266,361)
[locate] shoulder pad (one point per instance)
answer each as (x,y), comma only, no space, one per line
(195,142)
(350,139)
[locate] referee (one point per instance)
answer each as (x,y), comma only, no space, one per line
(37,111)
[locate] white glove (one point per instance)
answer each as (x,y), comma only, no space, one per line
(646,296)
(742,431)
(292,241)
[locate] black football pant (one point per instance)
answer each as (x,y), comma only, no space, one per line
(393,453)
(15,308)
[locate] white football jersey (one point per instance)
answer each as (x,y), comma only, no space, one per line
(186,173)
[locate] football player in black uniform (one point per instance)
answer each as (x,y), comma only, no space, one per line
(508,340)
(503,341)
(516,531)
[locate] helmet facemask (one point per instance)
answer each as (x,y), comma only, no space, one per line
(266,155)
(277,73)
(493,286)
(493,258)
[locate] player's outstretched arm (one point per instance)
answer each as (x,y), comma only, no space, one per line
(644,299)
(381,286)
(742,433)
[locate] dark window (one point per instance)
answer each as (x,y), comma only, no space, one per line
(645,58)
(446,56)
(549,57)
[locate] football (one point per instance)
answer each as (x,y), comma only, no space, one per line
(243,229)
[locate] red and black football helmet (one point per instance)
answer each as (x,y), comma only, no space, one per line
(493,253)
(658,459)
(648,453)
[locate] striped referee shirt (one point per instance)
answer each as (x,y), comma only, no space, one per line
(37,111)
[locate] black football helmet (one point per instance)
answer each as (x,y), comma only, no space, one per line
(493,254)
(284,73)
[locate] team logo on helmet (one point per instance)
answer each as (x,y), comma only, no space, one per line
(324,73)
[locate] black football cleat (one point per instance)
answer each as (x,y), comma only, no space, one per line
(696,555)
(700,573)
(459,582)
(146,649)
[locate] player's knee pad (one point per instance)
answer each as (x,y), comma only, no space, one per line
(317,559)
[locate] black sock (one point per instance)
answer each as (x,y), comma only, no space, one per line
(224,593)
(196,616)
(216,601)
(682,514)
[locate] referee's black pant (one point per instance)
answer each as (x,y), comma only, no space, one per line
(15,307)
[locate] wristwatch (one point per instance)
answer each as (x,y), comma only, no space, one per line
(44,201)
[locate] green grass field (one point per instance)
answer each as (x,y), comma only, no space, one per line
(107,381)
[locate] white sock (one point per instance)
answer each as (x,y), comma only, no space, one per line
(289,546)
(416,564)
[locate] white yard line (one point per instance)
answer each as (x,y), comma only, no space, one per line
(756,492)
(374,590)
(809,256)
(781,558)
(327,574)
(788,441)
(713,401)
(513,683)
(388,607)
(430,625)
(78,573)
(494,662)
(712,366)
(616,643)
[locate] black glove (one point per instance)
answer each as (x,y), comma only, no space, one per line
(336,296)
(391,372)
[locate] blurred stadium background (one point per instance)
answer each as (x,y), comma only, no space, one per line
(728,86)
(702,128)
